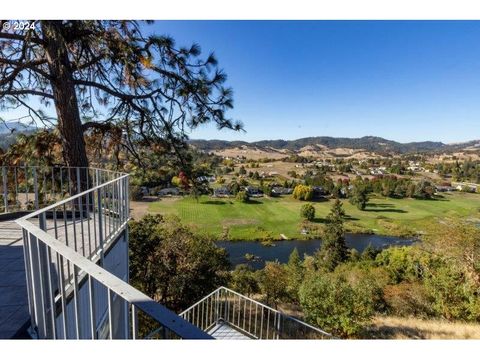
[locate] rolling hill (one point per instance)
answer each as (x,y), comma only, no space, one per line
(368,143)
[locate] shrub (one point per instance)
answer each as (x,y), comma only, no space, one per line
(405,263)
(303,192)
(172,264)
(242,196)
(307,211)
(244,280)
(136,193)
(424,190)
(408,299)
(453,296)
(274,283)
(331,303)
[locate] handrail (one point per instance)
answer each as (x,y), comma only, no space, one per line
(242,313)
(157,311)
(275,310)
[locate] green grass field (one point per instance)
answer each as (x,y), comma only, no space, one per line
(275,216)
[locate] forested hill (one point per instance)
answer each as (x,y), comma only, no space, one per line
(369,143)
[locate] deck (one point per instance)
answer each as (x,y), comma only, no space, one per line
(14,316)
(224,331)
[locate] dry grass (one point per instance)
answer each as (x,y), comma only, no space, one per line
(252,153)
(411,328)
(326,153)
(139,209)
(318,151)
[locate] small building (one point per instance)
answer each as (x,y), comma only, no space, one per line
(171,191)
(221,192)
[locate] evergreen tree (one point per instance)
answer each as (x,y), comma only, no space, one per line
(307,211)
(334,249)
(295,274)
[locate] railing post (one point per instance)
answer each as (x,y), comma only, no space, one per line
(29,277)
(93,319)
(134,322)
(110,313)
(35,188)
(217,304)
(278,324)
(100,224)
(15,179)
(5,191)
(225,316)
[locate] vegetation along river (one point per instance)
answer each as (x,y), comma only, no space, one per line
(281,250)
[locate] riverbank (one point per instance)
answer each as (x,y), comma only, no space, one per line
(280,250)
(266,218)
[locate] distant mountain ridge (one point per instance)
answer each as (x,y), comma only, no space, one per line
(9,132)
(368,143)
(12,126)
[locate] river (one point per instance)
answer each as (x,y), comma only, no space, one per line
(282,249)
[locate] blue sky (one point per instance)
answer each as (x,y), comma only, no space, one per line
(405,81)
(401,80)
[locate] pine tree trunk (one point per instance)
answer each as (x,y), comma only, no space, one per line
(65,98)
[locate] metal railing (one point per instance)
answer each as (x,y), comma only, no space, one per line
(249,317)
(27,188)
(76,256)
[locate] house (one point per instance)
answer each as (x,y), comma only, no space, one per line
(280,190)
(378,171)
(206,179)
(415,167)
(465,187)
(253,191)
(444,188)
(319,192)
(221,192)
(171,191)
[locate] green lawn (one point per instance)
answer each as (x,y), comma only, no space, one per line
(275,216)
